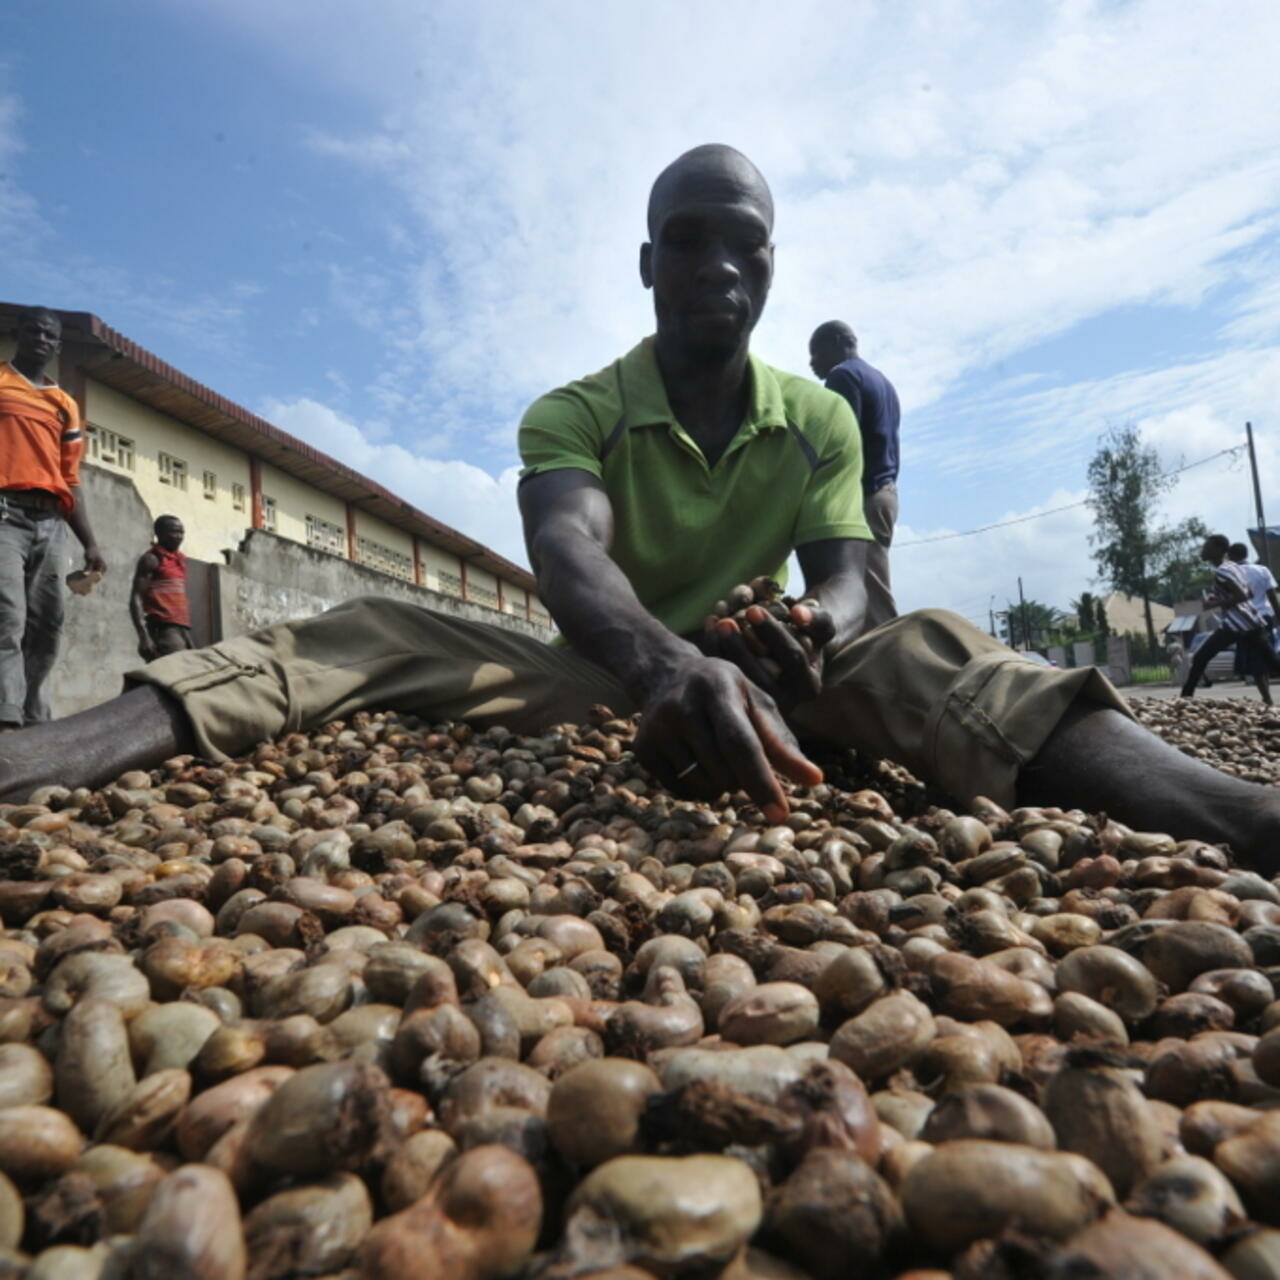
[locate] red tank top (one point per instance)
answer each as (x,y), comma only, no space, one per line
(165,598)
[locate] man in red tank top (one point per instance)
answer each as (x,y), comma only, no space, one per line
(159,600)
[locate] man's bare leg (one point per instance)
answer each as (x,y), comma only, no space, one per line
(1099,760)
(137,730)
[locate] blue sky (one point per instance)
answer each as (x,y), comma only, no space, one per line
(389,227)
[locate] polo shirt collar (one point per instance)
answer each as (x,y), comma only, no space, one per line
(645,401)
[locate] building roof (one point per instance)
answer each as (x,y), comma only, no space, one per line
(1127,614)
(118,362)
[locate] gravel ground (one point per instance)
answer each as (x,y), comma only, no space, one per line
(1239,736)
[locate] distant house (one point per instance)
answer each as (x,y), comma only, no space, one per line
(1127,614)
(1190,618)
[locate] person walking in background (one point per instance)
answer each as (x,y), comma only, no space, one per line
(1241,622)
(833,357)
(41,444)
(158,603)
(1262,594)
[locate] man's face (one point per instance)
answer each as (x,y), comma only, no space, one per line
(171,535)
(710,265)
(39,336)
(824,355)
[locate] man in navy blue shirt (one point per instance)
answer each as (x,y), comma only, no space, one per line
(833,357)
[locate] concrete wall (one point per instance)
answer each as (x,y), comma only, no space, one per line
(99,643)
(270,578)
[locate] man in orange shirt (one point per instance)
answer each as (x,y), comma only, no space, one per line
(41,444)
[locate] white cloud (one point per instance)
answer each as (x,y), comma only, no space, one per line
(20,220)
(955,218)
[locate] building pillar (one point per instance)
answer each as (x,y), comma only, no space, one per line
(255,492)
(352,549)
(528,606)
(498,580)
(462,564)
(417,561)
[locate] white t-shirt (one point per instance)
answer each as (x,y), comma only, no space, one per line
(1259,579)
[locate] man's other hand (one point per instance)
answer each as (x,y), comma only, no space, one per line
(708,730)
(147,649)
(94,560)
(786,662)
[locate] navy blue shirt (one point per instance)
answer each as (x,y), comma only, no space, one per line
(875,404)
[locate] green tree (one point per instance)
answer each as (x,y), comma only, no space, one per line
(1083,608)
(1182,574)
(1101,623)
(1029,624)
(1130,548)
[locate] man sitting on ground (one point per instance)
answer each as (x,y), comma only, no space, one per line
(650,489)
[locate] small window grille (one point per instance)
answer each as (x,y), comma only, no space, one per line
(211,486)
(110,449)
(237,497)
(375,555)
(324,535)
(173,471)
(268,513)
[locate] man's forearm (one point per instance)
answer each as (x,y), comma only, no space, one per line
(78,519)
(599,614)
(139,616)
(844,597)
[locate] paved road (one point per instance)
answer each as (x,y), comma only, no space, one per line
(1222,691)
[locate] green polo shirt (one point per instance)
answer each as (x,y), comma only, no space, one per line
(686,532)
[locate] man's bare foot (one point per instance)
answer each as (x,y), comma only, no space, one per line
(137,730)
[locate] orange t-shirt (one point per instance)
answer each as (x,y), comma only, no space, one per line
(41,437)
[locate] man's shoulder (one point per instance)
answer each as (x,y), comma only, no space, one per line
(808,403)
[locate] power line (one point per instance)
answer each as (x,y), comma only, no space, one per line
(1053,511)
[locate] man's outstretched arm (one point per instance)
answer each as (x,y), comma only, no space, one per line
(707,729)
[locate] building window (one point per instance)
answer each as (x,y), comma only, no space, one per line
(268,513)
(450,583)
(482,594)
(210,486)
(173,471)
(109,449)
(324,535)
(237,497)
(375,555)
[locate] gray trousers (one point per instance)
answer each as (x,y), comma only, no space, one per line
(31,601)
(881,510)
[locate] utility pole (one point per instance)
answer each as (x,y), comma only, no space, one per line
(1022,609)
(991,615)
(1257,497)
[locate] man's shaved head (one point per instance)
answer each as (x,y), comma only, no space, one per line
(712,171)
(832,343)
(835,331)
(35,314)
